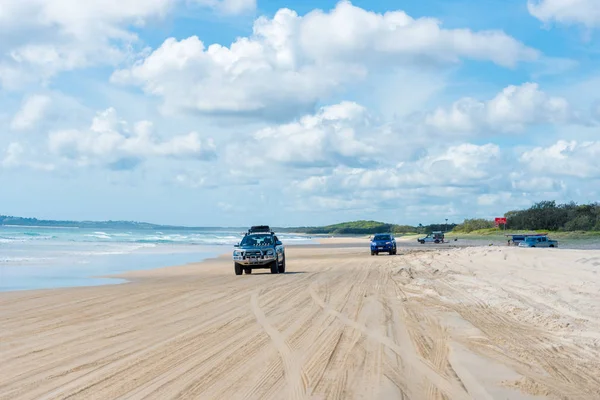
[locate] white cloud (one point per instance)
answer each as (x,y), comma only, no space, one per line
(458,171)
(109,141)
(291,62)
(565,158)
(460,165)
(350,33)
(461,181)
(32,111)
(41,38)
(492,199)
(44,37)
(13,154)
(512,110)
(339,134)
(17,156)
(536,184)
(230,7)
(585,12)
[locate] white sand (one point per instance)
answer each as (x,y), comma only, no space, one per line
(481,323)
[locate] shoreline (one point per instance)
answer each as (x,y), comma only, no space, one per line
(91,279)
(100,271)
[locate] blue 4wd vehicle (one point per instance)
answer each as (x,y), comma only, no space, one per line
(383,242)
(538,241)
(259,249)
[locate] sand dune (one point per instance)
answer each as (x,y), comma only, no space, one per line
(481,323)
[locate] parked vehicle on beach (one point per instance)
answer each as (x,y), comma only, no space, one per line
(433,237)
(259,249)
(538,241)
(514,239)
(382,243)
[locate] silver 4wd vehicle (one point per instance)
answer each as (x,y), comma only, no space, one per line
(259,249)
(433,237)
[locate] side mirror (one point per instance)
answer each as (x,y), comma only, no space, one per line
(278,243)
(236,245)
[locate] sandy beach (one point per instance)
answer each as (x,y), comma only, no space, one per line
(460,323)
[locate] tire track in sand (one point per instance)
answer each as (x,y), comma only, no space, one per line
(296,379)
(451,389)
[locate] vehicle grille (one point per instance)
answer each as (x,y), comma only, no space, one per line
(253,253)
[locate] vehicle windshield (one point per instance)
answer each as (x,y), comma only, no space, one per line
(257,240)
(382,237)
(534,239)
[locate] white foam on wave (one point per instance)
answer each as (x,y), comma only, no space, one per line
(22,260)
(111,250)
(98,235)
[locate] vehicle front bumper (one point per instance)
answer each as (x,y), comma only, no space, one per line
(262,260)
(382,247)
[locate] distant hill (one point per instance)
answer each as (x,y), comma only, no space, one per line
(545,215)
(355,227)
(21,221)
(345,228)
(367,228)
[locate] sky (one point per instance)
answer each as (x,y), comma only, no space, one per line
(295,113)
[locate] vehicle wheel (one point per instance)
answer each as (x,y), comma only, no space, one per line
(391,252)
(372,253)
(274,267)
(282,266)
(395,251)
(533,246)
(376,253)
(248,271)
(437,241)
(551,245)
(238,269)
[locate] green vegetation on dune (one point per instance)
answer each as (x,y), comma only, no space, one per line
(353,228)
(500,232)
(368,227)
(563,220)
(471,225)
(547,215)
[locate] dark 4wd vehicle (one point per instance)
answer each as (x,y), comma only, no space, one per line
(259,249)
(383,242)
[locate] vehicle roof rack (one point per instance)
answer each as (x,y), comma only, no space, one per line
(527,234)
(260,228)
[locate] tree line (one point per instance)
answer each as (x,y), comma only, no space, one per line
(545,215)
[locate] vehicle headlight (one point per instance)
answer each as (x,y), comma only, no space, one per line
(237,253)
(270,252)
(388,242)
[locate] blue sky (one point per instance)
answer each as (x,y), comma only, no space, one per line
(235,112)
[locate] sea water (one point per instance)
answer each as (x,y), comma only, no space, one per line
(42,257)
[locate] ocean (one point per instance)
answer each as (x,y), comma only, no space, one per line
(44,258)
